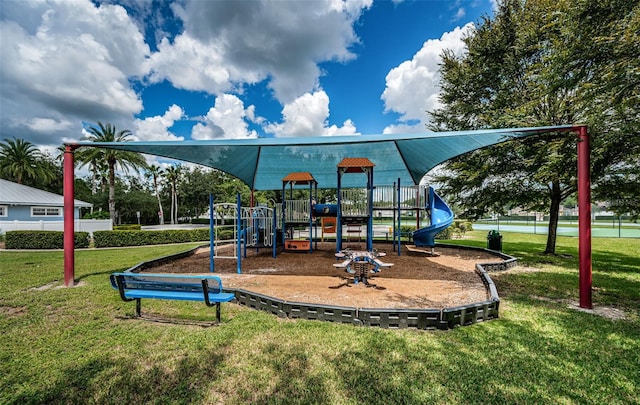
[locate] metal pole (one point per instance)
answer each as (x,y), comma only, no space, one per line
(393,212)
(370,210)
(315,197)
(619,225)
(284,208)
(69,253)
(339,217)
(239,234)
(212,234)
(399,219)
(584,217)
(274,239)
(310,217)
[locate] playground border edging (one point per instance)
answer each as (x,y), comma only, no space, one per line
(424,318)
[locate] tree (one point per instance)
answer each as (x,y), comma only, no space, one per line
(154,173)
(174,175)
(514,74)
(22,162)
(123,159)
(133,197)
(607,35)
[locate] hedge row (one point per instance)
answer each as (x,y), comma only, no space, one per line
(139,238)
(43,239)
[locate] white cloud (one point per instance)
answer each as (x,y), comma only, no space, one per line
(347,128)
(226,44)
(307,116)
(412,87)
(226,119)
(157,128)
(47,124)
(404,129)
(63,62)
(460,14)
(191,65)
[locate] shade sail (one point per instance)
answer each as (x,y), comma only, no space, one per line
(262,163)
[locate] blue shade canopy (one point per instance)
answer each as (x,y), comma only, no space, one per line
(262,163)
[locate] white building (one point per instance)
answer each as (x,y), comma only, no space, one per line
(27,208)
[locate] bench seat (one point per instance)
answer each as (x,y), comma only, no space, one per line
(179,295)
(204,288)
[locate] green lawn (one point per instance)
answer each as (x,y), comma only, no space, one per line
(80,345)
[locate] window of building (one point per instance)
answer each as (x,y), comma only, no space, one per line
(46,211)
(4,211)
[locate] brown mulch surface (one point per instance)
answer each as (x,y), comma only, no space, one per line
(414,281)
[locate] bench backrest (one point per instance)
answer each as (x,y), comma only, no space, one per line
(166,282)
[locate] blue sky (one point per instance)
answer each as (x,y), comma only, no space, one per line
(224,69)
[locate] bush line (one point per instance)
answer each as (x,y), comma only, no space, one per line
(43,240)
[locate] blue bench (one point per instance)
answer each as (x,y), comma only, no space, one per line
(136,286)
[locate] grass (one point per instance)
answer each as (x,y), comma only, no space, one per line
(80,345)
(615,263)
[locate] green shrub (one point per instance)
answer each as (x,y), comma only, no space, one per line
(97,215)
(404,229)
(43,240)
(445,233)
(140,238)
(224,234)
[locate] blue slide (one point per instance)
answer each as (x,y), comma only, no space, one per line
(441,217)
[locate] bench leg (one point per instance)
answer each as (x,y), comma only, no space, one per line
(138,307)
(218,312)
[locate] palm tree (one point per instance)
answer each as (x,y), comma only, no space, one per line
(173,174)
(124,159)
(21,160)
(154,172)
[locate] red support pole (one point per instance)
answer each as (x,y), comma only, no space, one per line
(69,254)
(584,217)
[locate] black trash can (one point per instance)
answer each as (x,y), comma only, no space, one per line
(494,241)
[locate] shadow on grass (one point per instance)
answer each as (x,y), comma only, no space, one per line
(505,361)
(294,378)
(131,380)
(539,352)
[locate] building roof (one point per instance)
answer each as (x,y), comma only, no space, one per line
(17,194)
(262,163)
(299,178)
(355,162)
(355,165)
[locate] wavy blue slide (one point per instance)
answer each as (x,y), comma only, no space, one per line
(441,217)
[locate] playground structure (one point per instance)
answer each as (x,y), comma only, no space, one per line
(251,227)
(441,218)
(296,213)
(407,157)
(258,227)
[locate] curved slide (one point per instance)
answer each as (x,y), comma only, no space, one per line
(441,217)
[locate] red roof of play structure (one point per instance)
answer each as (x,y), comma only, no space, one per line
(355,164)
(299,177)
